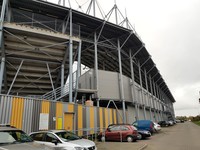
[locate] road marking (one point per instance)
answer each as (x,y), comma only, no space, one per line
(143,147)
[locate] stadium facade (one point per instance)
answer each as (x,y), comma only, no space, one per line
(40,43)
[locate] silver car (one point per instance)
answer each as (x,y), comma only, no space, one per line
(15,139)
(62,139)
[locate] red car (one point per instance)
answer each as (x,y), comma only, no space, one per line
(119,132)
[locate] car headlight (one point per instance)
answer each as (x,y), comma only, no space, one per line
(79,148)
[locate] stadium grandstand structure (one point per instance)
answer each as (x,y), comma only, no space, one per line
(40,42)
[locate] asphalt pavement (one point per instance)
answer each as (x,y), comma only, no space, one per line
(183,136)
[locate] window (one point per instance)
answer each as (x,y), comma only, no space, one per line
(38,136)
(67,136)
(50,137)
(115,128)
(14,136)
(124,128)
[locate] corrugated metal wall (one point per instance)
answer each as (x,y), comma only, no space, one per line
(24,113)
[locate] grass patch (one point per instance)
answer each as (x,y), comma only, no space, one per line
(197,122)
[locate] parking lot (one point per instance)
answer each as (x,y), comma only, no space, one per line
(183,136)
(121,145)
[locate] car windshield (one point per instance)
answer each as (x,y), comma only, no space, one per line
(67,136)
(14,137)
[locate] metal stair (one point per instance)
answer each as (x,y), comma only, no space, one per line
(58,93)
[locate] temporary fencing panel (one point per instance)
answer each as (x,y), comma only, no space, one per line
(31,114)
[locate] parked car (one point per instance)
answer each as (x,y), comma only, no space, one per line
(163,123)
(119,132)
(171,123)
(182,121)
(144,125)
(60,139)
(157,127)
(143,134)
(12,138)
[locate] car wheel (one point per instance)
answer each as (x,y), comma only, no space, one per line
(129,139)
(139,137)
(103,138)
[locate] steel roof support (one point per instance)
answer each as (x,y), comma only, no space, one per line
(78,70)
(159,92)
(138,51)
(96,77)
(97,39)
(157,95)
(153,99)
(121,81)
(2,69)
(92,4)
(2,72)
(32,82)
(141,88)
(49,72)
(70,59)
(133,90)
(151,90)
(116,19)
(154,88)
(126,39)
(3,11)
(94,13)
(158,79)
(15,77)
(145,61)
(148,92)
(62,77)
(151,69)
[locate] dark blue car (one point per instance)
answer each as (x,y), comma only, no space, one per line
(144,125)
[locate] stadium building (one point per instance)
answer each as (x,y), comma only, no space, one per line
(115,79)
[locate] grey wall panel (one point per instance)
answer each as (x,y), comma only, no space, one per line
(84,117)
(157,117)
(86,81)
(87,117)
(52,113)
(131,114)
(95,118)
(141,112)
(76,116)
(103,111)
(36,115)
(148,115)
(127,89)
(27,117)
(5,109)
(138,95)
(109,85)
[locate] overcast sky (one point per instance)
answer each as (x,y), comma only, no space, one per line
(170,30)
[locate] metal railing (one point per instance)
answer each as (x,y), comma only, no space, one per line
(57,93)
